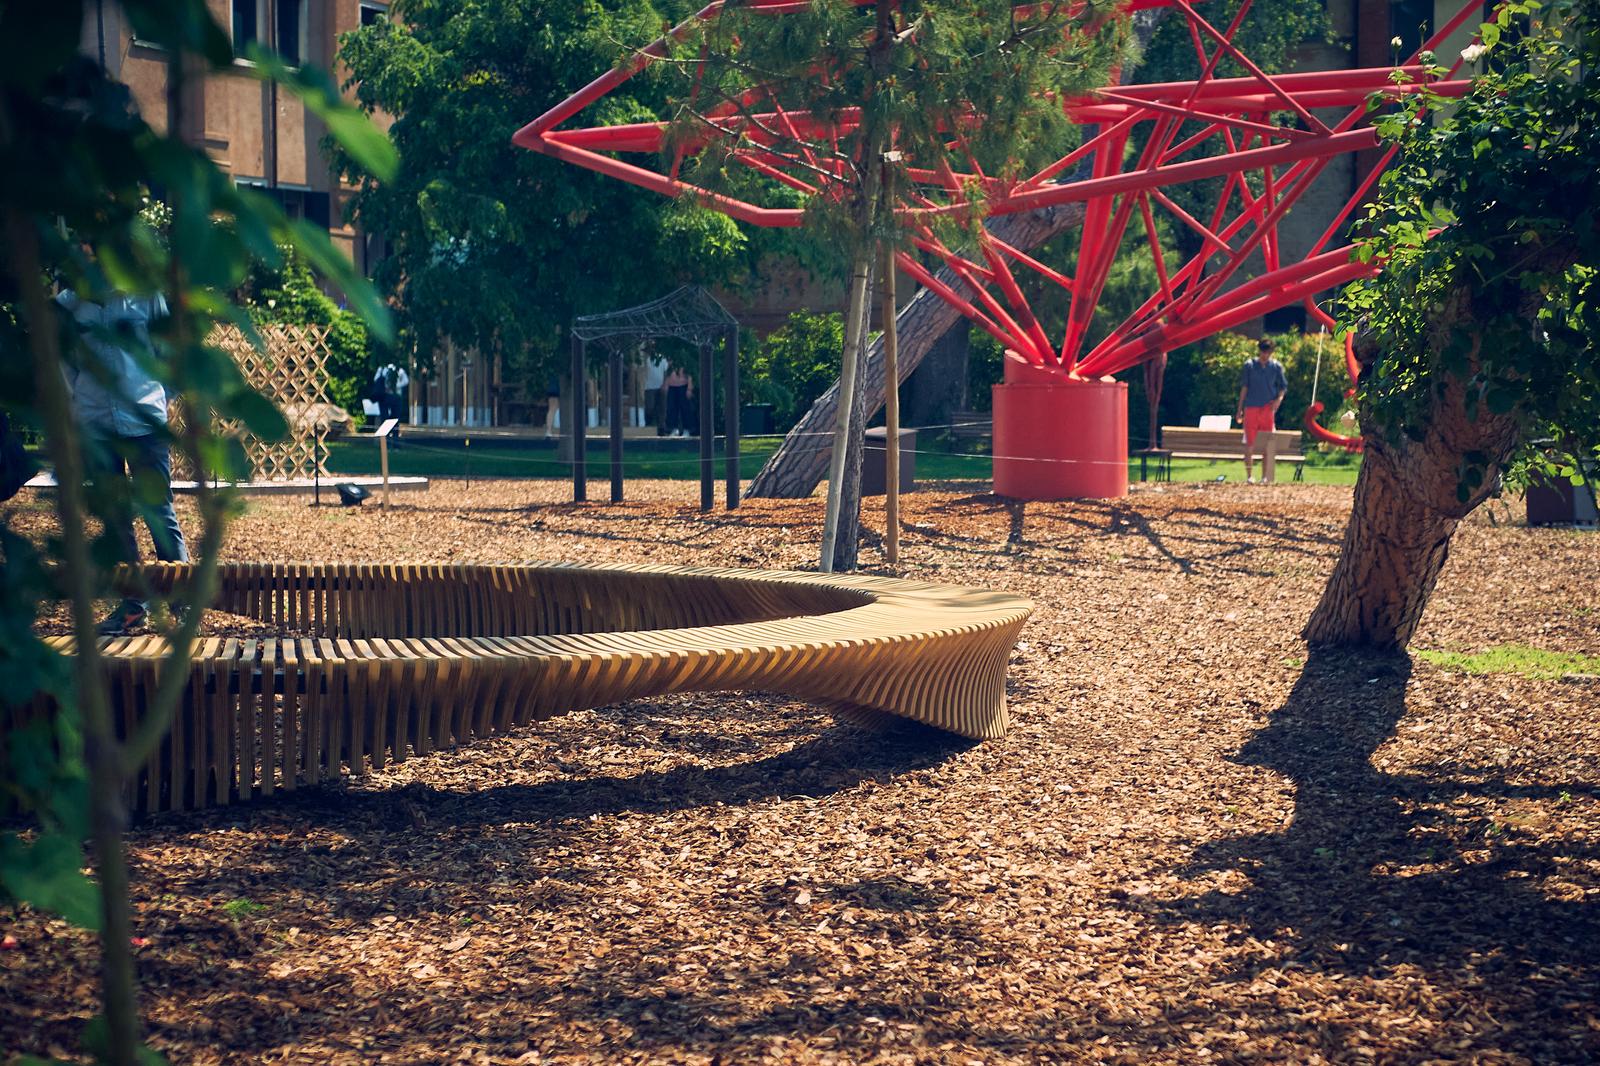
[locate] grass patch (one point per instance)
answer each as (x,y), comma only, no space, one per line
(1515,659)
(680,461)
(243,907)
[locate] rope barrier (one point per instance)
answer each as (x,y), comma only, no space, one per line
(695,460)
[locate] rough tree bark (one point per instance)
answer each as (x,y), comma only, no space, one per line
(847,547)
(801,461)
(1406,509)
(841,526)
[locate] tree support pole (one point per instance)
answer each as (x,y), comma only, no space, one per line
(614,402)
(708,428)
(576,403)
(891,412)
(730,413)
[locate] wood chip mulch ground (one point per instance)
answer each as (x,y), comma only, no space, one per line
(1197,844)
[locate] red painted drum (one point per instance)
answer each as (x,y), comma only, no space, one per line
(1058,438)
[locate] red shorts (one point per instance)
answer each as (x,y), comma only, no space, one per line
(1257,420)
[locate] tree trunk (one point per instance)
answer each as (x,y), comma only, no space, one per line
(847,545)
(844,426)
(1406,507)
(801,460)
(938,389)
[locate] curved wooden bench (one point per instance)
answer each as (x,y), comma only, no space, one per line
(404,660)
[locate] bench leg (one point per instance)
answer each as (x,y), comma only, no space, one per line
(1299,471)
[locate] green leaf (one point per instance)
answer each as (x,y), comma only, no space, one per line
(321,254)
(259,414)
(48,874)
(367,144)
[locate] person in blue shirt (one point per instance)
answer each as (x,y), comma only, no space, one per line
(122,408)
(1262,386)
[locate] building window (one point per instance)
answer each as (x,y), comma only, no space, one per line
(373,11)
(1412,22)
(290,38)
(288,31)
(246,25)
(297,202)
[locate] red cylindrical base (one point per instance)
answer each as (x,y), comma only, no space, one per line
(1059,438)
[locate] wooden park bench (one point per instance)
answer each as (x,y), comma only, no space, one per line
(359,665)
(1188,442)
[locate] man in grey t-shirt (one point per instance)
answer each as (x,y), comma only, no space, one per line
(1262,385)
(121,406)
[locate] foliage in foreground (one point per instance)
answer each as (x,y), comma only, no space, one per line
(288,292)
(77,166)
(1478,338)
(1487,228)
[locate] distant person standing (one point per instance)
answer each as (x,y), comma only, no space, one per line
(122,409)
(680,387)
(1262,385)
(655,377)
(390,383)
(552,406)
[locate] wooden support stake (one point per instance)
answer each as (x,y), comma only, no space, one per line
(891,415)
(730,415)
(383,455)
(708,428)
(614,396)
(576,414)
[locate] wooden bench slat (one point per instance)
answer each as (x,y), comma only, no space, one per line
(384,672)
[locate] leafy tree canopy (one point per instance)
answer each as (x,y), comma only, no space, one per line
(941,82)
(493,246)
(1486,225)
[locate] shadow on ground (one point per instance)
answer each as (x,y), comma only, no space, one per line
(1379,871)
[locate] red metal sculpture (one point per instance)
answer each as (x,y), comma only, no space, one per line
(1060,418)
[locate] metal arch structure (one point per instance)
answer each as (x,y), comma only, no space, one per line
(1260,133)
(689,314)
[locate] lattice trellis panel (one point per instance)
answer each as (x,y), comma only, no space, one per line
(292,372)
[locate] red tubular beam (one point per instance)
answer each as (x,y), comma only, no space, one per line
(609,80)
(1263,103)
(1349,444)
(649,179)
(1155,248)
(1092,144)
(1013,295)
(1244,61)
(1029,261)
(910,265)
(1137,350)
(1196,114)
(1364,78)
(1177,173)
(1264,226)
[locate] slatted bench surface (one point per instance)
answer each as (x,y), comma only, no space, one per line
(388,662)
(1187,442)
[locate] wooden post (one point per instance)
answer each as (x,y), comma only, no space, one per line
(730,415)
(891,415)
(576,413)
(383,455)
(707,431)
(614,395)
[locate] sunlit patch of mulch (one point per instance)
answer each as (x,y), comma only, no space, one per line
(1198,843)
